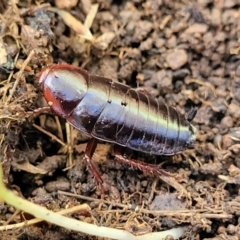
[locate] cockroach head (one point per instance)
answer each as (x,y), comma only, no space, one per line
(63,87)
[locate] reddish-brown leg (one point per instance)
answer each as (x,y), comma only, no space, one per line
(89,151)
(38,111)
(149,168)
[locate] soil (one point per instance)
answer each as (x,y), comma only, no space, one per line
(183,53)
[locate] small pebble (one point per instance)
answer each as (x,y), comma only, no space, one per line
(177,59)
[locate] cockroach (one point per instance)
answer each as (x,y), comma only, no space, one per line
(116,113)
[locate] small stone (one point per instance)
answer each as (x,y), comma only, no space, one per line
(160,42)
(66,4)
(197,28)
(216,17)
(177,59)
(229,3)
(227,122)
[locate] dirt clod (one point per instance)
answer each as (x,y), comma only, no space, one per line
(177,59)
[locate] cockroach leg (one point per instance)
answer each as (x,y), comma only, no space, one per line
(149,168)
(89,151)
(38,111)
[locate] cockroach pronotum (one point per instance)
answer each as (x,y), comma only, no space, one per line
(113,112)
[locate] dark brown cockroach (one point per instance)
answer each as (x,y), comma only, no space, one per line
(116,113)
